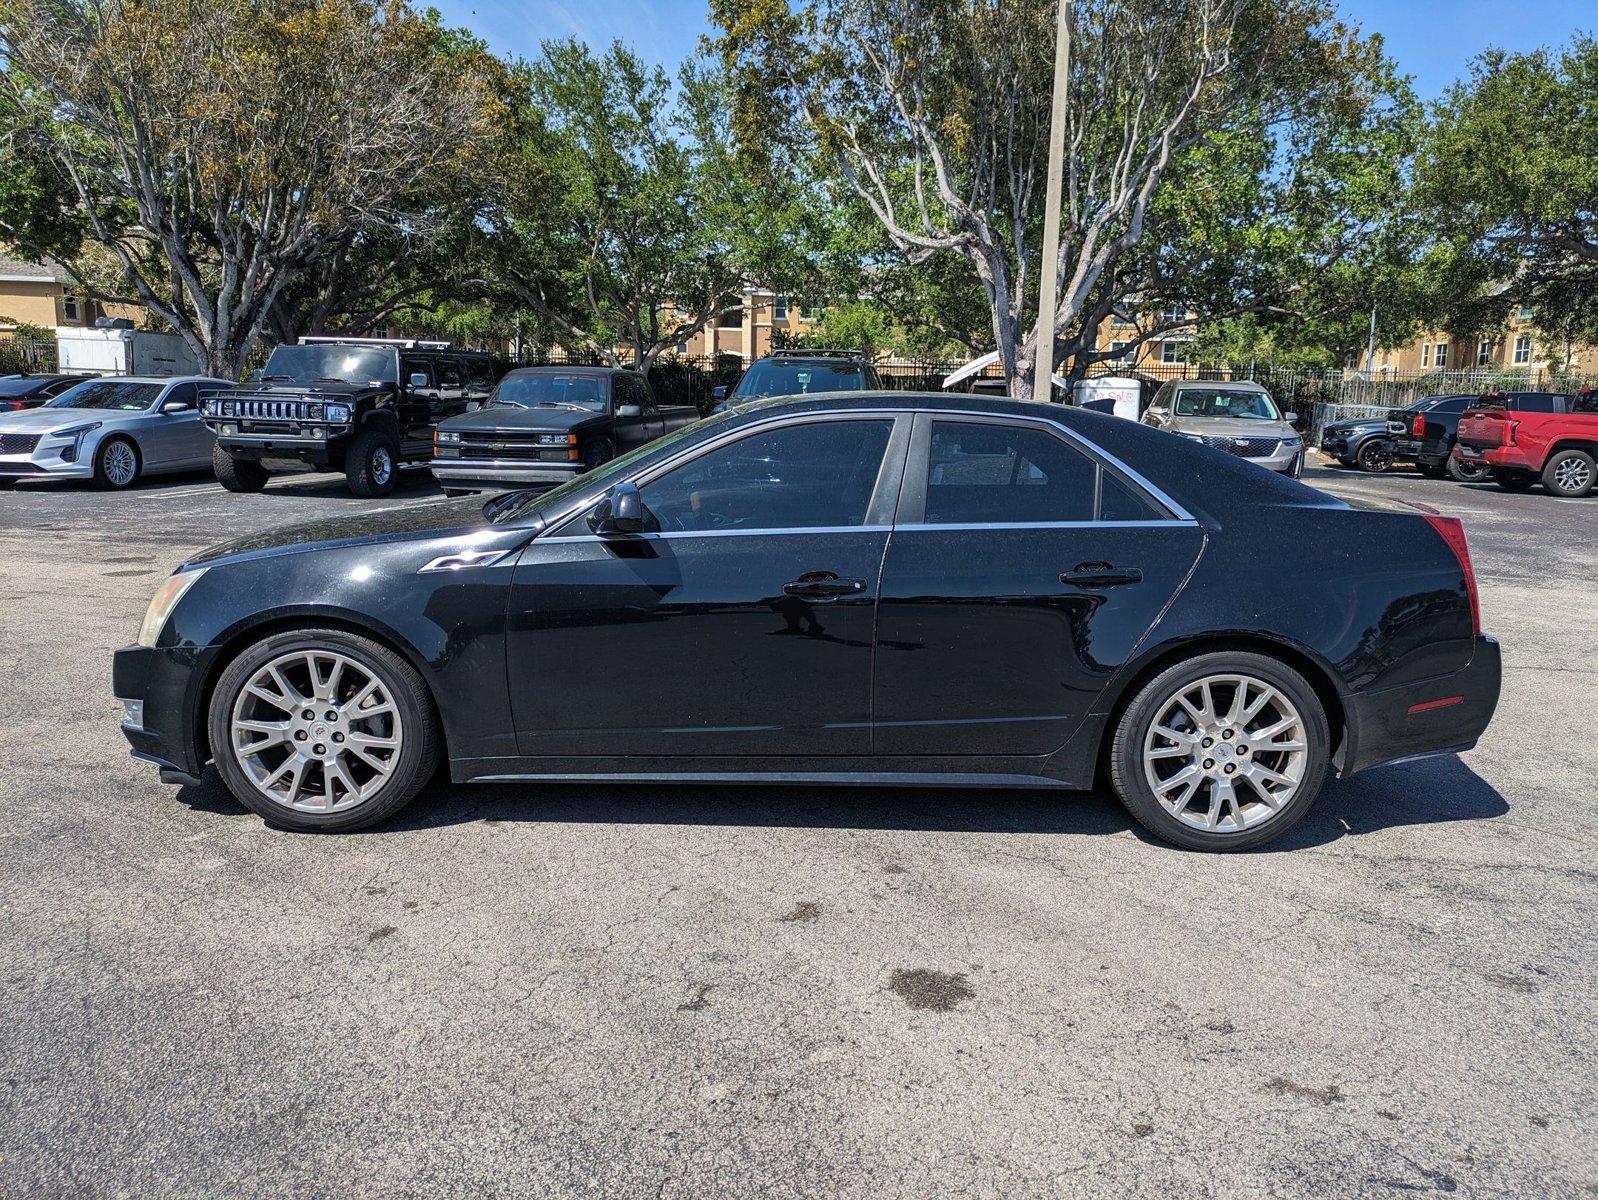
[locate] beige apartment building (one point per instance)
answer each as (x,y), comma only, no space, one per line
(1518,348)
(45,298)
(752,330)
(1169,351)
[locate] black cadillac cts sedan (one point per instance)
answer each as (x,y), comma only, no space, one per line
(840,588)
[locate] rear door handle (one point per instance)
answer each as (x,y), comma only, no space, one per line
(823,586)
(1098,574)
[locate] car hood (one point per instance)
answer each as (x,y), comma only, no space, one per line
(295,391)
(1232,427)
(507,418)
(1358,423)
(412,522)
(48,420)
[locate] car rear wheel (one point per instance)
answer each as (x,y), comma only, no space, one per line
(237,474)
(116,464)
(1375,456)
(372,463)
(323,730)
(1221,752)
(1461,471)
(1569,473)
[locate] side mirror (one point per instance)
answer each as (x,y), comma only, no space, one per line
(177,406)
(621,511)
(628,411)
(418,380)
(719,392)
(1292,419)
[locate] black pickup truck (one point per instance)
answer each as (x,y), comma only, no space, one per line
(358,405)
(545,425)
(1426,435)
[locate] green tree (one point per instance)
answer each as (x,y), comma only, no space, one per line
(218,148)
(1219,152)
(1509,181)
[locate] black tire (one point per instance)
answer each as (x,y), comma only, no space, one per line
(237,474)
(110,458)
(1126,766)
(1375,456)
(1570,473)
(371,465)
(1462,472)
(1513,481)
(420,747)
(598,451)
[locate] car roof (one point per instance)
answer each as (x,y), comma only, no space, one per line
(1237,385)
(160,379)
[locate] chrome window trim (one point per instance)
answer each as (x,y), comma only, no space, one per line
(678,535)
(1180,515)
(924,527)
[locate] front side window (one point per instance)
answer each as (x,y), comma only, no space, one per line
(109,396)
(819,474)
(1226,402)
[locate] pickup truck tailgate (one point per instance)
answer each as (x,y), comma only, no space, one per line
(1486,429)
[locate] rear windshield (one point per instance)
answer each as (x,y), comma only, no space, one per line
(1225,402)
(785,377)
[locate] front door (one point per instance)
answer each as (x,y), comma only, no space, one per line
(739,624)
(1022,573)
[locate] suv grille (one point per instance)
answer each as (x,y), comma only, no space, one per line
(18,443)
(1245,447)
(270,410)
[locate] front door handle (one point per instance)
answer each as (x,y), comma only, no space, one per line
(823,586)
(1100,574)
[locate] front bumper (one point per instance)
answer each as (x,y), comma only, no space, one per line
(46,461)
(490,474)
(319,444)
(165,729)
(1443,715)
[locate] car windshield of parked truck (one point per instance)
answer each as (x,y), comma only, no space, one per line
(783,377)
(316,363)
(1225,402)
(108,394)
(587,392)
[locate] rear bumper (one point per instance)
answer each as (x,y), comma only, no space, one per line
(1443,715)
(1505,458)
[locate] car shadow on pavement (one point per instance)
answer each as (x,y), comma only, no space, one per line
(1428,792)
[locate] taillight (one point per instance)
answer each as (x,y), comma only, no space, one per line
(1417,427)
(1452,531)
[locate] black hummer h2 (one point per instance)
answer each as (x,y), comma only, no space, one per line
(357,405)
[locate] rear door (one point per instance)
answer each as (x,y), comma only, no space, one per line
(1022,572)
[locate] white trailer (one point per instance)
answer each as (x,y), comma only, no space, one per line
(122,352)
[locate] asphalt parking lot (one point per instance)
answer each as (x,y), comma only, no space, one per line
(696,991)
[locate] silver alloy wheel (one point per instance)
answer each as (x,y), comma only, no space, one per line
(1226,753)
(1571,475)
(382,465)
(317,731)
(119,462)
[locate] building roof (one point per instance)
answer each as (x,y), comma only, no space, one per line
(14,270)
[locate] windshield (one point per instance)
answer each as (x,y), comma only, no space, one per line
(332,364)
(515,505)
(1225,402)
(115,395)
(785,377)
(549,390)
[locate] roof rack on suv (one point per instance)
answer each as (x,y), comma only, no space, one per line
(402,343)
(817,354)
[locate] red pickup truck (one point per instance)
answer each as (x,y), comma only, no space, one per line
(1519,448)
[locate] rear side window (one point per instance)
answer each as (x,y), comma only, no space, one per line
(1452,404)
(819,474)
(980,474)
(1541,403)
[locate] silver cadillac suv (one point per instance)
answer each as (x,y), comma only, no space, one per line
(1239,418)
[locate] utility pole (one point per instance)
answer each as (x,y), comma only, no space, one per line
(1370,343)
(1048,276)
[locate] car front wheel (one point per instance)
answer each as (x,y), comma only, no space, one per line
(372,463)
(1375,456)
(237,474)
(116,464)
(322,730)
(1222,752)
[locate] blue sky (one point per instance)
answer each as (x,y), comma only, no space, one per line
(1431,39)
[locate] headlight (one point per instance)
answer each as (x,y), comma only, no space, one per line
(77,431)
(556,439)
(164,601)
(1290,443)
(447,437)
(338,412)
